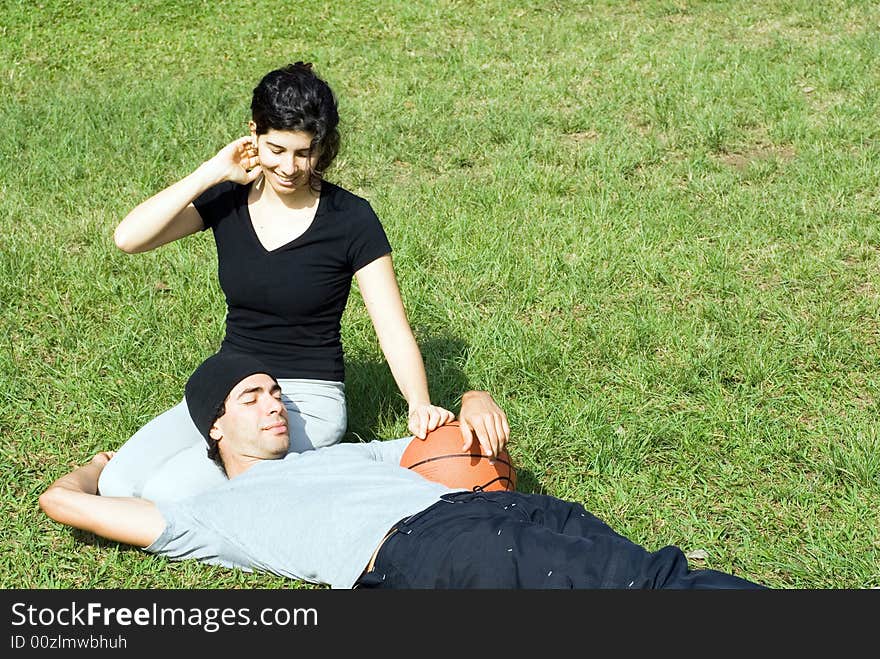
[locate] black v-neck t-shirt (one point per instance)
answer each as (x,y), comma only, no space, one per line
(285,305)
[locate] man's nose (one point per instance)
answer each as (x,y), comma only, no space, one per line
(274,405)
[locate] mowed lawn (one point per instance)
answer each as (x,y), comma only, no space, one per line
(650,229)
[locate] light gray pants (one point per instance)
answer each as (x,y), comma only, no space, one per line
(167,459)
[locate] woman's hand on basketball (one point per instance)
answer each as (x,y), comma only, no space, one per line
(480,415)
(237,161)
(424,417)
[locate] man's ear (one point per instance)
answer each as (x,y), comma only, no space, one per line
(215,433)
(253,127)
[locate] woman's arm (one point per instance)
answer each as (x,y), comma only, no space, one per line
(73,500)
(378,286)
(170,214)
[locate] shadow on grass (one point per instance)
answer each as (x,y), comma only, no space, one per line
(89,538)
(527,482)
(373,396)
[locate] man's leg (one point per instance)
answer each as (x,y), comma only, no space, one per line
(511,540)
(665,568)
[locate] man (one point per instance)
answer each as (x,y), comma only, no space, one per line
(349,515)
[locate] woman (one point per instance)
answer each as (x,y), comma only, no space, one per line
(288,244)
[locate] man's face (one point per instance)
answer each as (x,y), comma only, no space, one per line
(255,422)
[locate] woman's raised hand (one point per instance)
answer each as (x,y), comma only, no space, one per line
(238,161)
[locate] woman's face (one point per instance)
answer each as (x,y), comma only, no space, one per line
(284,157)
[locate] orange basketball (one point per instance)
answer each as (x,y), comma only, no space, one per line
(439,458)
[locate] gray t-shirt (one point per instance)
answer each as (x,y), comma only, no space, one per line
(315,516)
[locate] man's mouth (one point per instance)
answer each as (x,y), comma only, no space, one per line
(281,425)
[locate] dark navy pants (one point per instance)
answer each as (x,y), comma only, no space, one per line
(516,540)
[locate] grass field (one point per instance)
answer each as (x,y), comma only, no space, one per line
(648,228)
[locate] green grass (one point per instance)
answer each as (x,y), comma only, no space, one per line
(648,228)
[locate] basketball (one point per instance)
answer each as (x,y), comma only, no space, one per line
(439,458)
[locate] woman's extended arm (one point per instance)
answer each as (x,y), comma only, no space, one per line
(378,286)
(169,215)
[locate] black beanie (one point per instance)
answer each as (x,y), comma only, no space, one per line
(211,382)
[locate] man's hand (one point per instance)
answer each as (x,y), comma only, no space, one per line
(102,458)
(481,415)
(424,417)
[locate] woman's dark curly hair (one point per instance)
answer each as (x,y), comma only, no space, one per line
(295,98)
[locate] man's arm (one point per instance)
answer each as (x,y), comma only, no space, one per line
(73,500)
